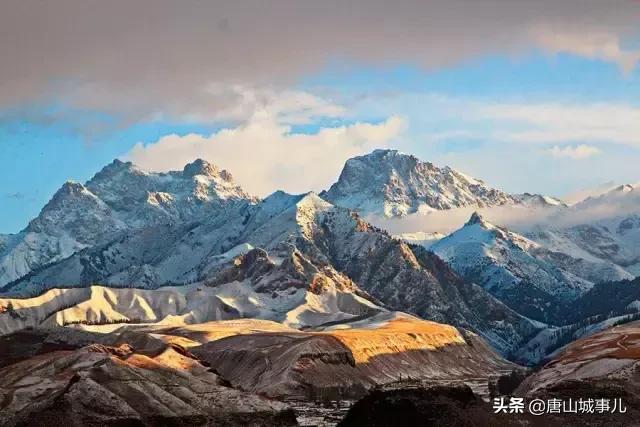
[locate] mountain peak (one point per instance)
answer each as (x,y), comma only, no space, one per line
(311,199)
(117,165)
(73,205)
(379,151)
(113,169)
(386,152)
(70,189)
(614,193)
(71,186)
(625,188)
(386,155)
(201,167)
(390,183)
(476,218)
(538,200)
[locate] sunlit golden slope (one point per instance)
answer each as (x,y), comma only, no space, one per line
(107,385)
(400,334)
(383,349)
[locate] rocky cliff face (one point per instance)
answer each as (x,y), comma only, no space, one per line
(601,366)
(349,358)
(116,385)
(205,374)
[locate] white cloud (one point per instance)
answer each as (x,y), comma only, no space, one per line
(440,118)
(594,44)
(562,123)
(517,218)
(264,155)
(577,152)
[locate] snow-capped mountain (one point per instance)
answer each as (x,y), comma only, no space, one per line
(118,199)
(300,259)
(538,200)
(608,229)
(532,280)
(626,194)
(143,198)
(291,291)
(390,183)
(309,247)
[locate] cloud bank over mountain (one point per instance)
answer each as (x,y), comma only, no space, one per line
(142,58)
(266,155)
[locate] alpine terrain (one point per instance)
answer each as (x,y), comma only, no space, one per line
(153,276)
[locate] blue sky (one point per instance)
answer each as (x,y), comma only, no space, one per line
(38,158)
(547,112)
(527,76)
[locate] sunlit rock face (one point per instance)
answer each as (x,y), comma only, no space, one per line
(352,356)
(602,366)
(613,354)
(115,385)
(209,373)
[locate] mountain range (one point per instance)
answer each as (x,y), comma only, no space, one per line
(535,281)
(391,183)
(118,199)
(191,246)
(610,231)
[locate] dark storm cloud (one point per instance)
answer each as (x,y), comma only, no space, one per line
(159,56)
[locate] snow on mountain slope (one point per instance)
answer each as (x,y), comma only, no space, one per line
(615,240)
(552,341)
(391,272)
(390,183)
(142,198)
(610,354)
(534,281)
(182,253)
(292,292)
(4,239)
(175,253)
(410,279)
(603,306)
(71,221)
(301,234)
(118,199)
(608,229)
(538,200)
(566,249)
(626,194)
